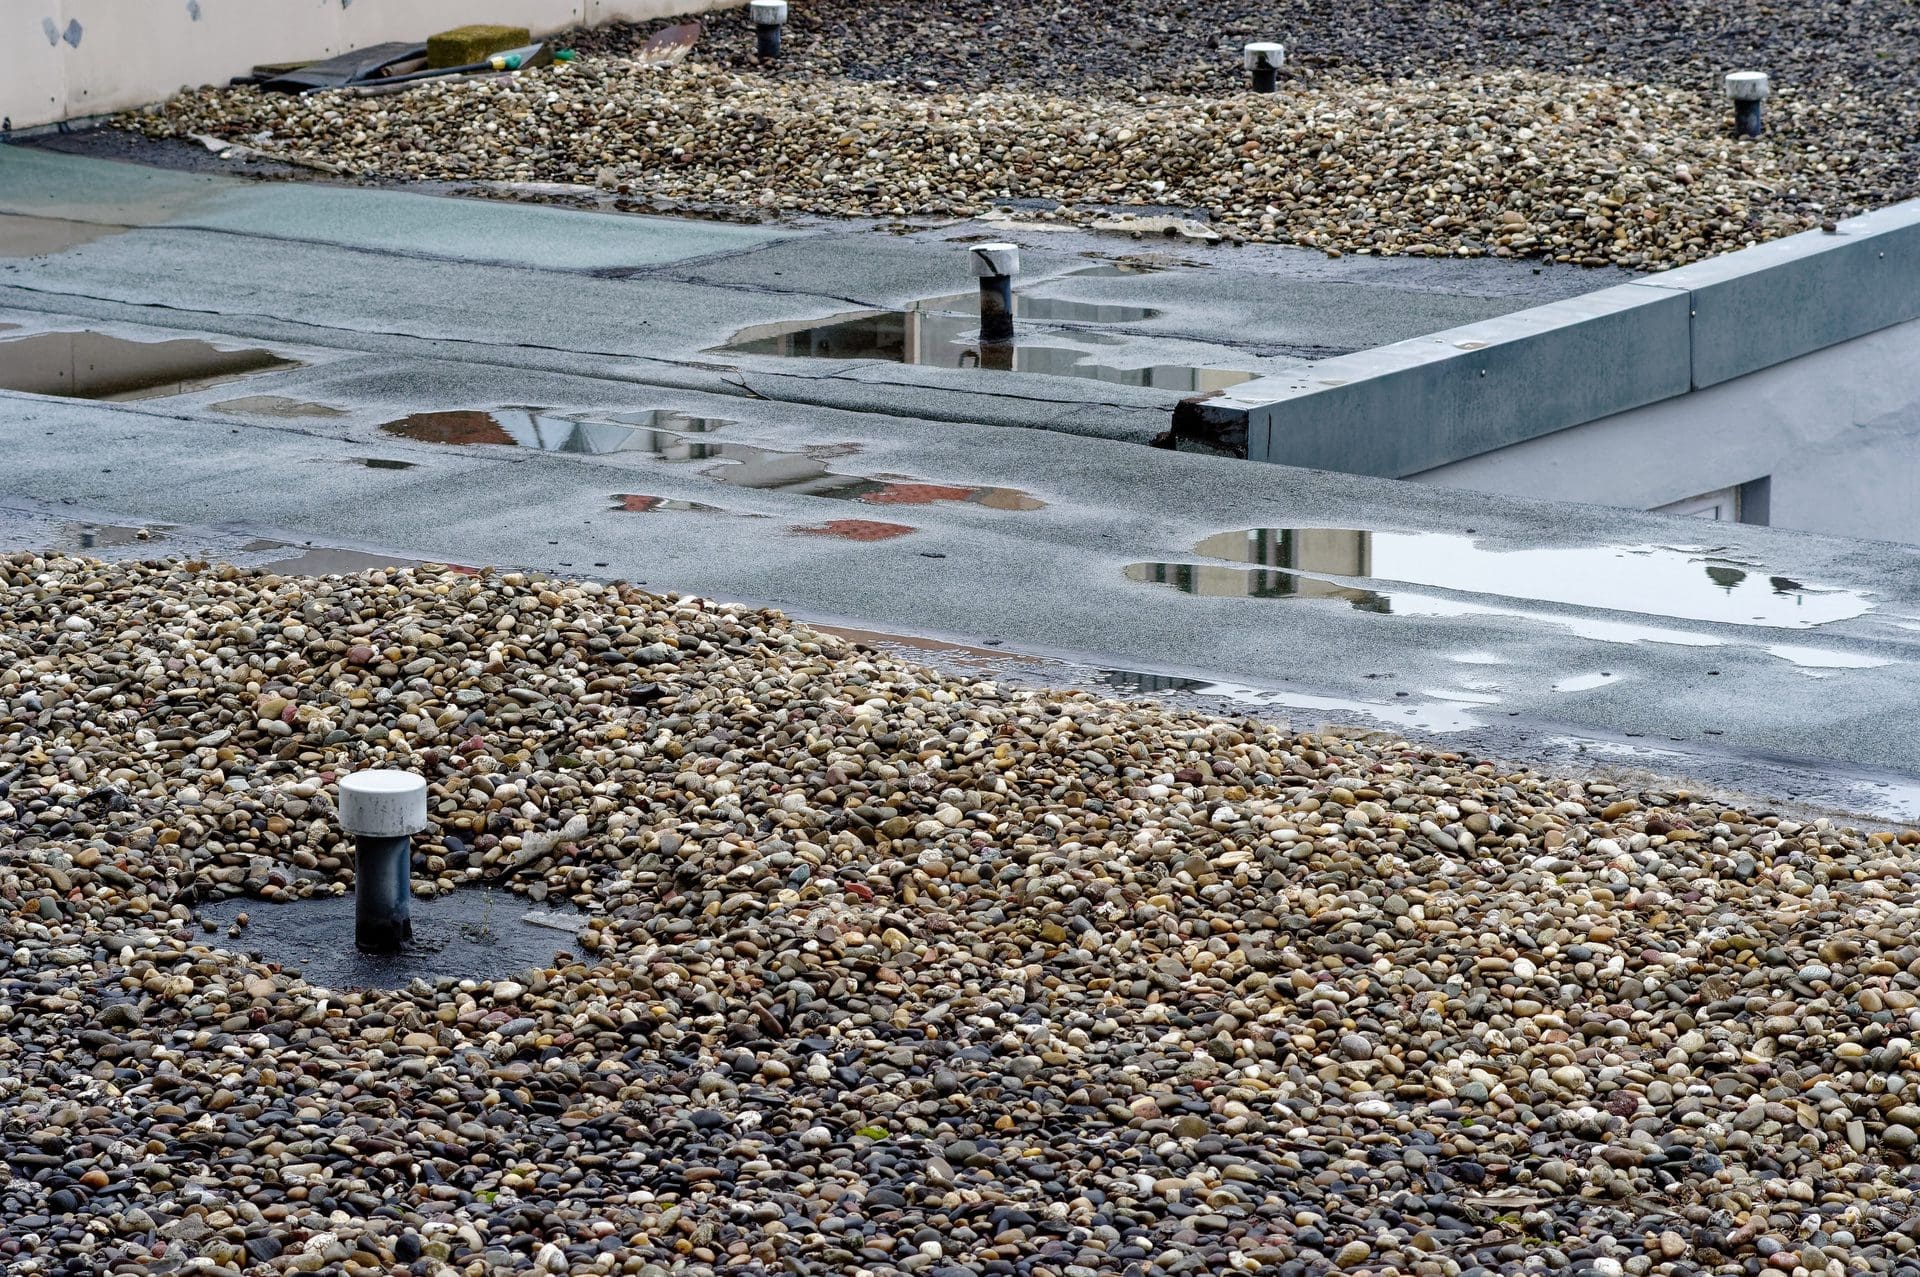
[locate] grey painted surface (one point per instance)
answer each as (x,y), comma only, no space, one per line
(1419,404)
(1433,401)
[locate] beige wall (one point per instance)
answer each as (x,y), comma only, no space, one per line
(131,52)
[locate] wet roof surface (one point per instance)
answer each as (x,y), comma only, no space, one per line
(1510,661)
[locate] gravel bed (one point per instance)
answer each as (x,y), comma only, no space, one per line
(1595,134)
(1507,163)
(890,972)
(1835,44)
(1849,57)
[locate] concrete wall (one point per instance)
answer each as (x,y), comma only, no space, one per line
(64,59)
(1417,406)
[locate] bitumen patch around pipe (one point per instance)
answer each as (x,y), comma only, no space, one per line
(480,933)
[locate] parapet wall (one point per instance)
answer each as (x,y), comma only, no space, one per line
(1416,405)
(67,59)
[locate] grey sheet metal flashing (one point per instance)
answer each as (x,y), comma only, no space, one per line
(1415,405)
(1773,302)
(1401,409)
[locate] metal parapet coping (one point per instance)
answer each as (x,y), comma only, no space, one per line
(1412,406)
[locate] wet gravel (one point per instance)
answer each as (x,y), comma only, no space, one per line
(889,971)
(1586,171)
(1595,135)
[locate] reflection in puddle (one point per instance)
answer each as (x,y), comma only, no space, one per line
(1059,310)
(641,503)
(458,427)
(275,406)
(386,463)
(1205,579)
(855,530)
(24,236)
(941,340)
(553,432)
(90,365)
(675,437)
(1662,581)
(1584,682)
(683,423)
(1263,584)
(1451,712)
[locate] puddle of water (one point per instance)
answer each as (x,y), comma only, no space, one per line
(1615,749)
(386,463)
(1892,798)
(1662,581)
(911,493)
(475,933)
(1600,631)
(1584,682)
(1478,658)
(22,235)
(1823,658)
(676,437)
(91,537)
(90,365)
(765,469)
(458,427)
(1267,583)
(1451,713)
(579,435)
(681,423)
(940,340)
(275,406)
(1258,583)
(641,503)
(855,529)
(1058,310)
